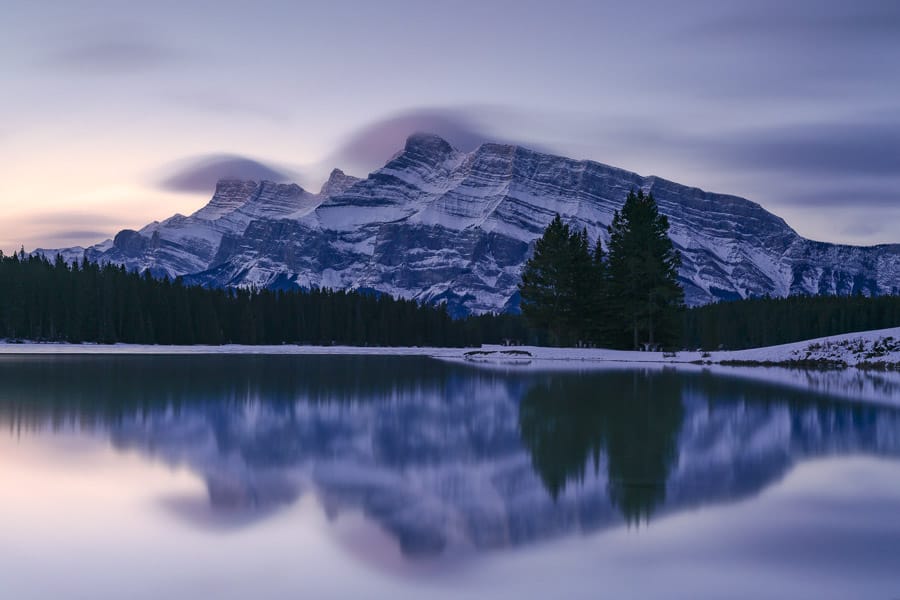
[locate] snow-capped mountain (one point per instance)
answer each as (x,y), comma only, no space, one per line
(438,224)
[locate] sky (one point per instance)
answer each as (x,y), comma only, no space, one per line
(116,114)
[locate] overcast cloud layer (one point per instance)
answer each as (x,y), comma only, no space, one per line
(793,105)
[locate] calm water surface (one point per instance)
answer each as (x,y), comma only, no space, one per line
(321,477)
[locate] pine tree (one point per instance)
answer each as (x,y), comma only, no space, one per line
(599,320)
(554,283)
(643,269)
(584,286)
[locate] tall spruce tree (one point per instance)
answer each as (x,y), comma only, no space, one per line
(554,283)
(583,287)
(643,272)
(600,322)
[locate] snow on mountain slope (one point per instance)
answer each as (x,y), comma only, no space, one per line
(182,245)
(437,224)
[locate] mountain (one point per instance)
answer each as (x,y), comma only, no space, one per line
(438,224)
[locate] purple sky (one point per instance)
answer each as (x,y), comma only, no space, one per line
(116,114)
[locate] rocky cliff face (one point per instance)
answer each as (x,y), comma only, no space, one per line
(437,224)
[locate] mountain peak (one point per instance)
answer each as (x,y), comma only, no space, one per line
(428,144)
(338,182)
(230,183)
(241,194)
(440,225)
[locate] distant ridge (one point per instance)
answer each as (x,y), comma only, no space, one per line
(437,224)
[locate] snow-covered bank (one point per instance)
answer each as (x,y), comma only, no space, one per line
(879,347)
(865,348)
(850,350)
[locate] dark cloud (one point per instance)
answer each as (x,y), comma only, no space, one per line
(73,237)
(74,219)
(200,174)
(374,144)
(834,20)
(834,194)
(115,55)
(861,153)
(377,142)
(70,228)
(864,228)
(815,52)
(871,149)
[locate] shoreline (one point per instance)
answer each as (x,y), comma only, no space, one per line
(866,350)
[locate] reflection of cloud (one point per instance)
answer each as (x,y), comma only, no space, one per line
(200,174)
(195,510)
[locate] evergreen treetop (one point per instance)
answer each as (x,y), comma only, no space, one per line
(643,271)
(556,283)
(625,297)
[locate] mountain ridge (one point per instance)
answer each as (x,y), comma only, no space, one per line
(438,224)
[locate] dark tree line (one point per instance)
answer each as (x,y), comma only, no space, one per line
(760,322)
(626,297)
(86,302)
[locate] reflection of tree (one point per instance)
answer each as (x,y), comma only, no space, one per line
(431,451)
(631,418)
(560,431)
(104,390)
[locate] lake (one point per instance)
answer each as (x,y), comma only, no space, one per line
(411,477)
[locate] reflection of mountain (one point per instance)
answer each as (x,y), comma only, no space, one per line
(442,456)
